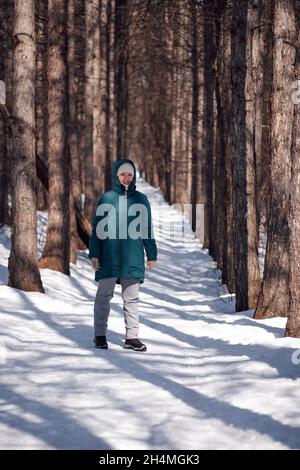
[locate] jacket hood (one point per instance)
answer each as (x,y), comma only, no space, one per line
(117,186)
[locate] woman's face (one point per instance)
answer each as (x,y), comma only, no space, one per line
(125,178)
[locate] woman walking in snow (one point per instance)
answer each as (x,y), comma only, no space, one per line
(116,250)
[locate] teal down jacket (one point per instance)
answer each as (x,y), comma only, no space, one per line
(119,255)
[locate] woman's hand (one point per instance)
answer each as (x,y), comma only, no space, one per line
(151,264)
(95,263)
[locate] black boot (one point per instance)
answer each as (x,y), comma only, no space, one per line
(100,342)
(135,344)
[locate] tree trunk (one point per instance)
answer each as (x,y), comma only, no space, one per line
(6,12)
(103,93)
(89,202)
(77,161)
(195,111)
(22,265)
(293,323)
(97,102)
(4,212)
(56,253)
(41,109)
(244,177)
(264,161)
(3,146)
(220,229)
(74,238)
(274,294)
(225,105)
(208,121)
(75,181)
(121,84)
(177,32)
(84,227)
(3,173)
(110,97)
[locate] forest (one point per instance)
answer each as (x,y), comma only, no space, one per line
(203,95)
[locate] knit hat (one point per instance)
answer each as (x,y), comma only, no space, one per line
(126,168)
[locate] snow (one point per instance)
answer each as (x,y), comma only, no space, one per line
(211,378)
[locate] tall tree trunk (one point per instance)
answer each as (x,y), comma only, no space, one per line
(3,147)
(74,238)
(4,170)
(263,86)
(224,86)
(56,254)
(244,177)
(208,122)
(97,101)
(41,109)
(104,99)
(220,229)
(293,323)
(22,265)
(4,219)
(78,167)
(170,105)
(110,97)
(121,83)
(75,177)
(6,12)
(175,97)
(274,293)
(195,112)
(89,202)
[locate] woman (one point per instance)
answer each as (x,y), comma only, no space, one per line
(122,230)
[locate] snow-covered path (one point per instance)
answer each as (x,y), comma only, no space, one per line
(211,378)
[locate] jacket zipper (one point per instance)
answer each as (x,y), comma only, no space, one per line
(125,261)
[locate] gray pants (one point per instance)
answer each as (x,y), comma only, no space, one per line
(130,296)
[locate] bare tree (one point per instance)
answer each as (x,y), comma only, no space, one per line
(90,25)
(104,134)
(208,117)
(121,81)
(245,228)
(41,109)
(293,323)
(97,90)
(224,138)
(274,293)
(22,266)
(6,14)
(195,111)
(220,196)
(56,253)
(109,96)
(75,182)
